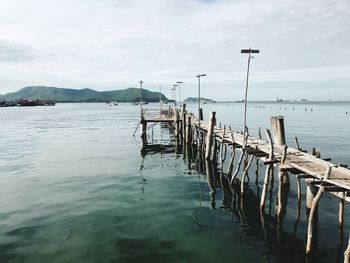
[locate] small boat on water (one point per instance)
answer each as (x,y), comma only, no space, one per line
(113,103)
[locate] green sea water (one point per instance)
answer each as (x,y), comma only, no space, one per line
(76,188)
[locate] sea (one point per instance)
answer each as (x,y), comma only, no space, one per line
(75,186)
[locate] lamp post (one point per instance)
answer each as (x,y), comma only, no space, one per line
(199,99)
(179,83)
(174,89)
(249,52)
(141,82)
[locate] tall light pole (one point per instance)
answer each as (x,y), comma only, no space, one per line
(179,83)
(249,52)
(141,82)
(199,98)
(174,89)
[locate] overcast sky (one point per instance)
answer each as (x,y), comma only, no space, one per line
(112,44)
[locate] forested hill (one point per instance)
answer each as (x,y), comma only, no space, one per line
(82,95)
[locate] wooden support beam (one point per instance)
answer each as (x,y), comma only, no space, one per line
(209,141)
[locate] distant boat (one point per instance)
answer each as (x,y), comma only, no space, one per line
(144,102)
(303,100)
(240,101)
(113,103)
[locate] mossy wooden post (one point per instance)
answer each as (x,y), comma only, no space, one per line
(277,123)
(188,130)
(210,135)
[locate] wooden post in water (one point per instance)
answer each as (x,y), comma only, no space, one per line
(277,123)
(182,118)
(200,114)
(269,168)
(210,135)
(177,124)
(310,230)
(310,195)
(188,130)
(183,126)
(347,253)
(143,129)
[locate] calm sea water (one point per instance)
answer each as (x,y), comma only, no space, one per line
(75,188)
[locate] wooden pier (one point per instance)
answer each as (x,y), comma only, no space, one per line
(212,140)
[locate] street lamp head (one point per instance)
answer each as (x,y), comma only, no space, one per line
(201,75)
(179,82)
(249,51)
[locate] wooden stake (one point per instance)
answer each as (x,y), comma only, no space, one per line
(210,135)
(268,170)
(188,130)
(311,220)
(245,173)
(347,253)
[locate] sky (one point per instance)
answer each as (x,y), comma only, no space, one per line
(113,44)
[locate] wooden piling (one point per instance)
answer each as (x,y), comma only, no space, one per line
(183,126)
(188,130)
(210,135)
(310,195)
(143,128)
(341,212)
(310,229)
(177,125)
(277,123)
(268,170)
(200,114)
(347,253)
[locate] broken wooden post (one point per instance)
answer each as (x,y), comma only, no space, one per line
(277,123)
(210,135)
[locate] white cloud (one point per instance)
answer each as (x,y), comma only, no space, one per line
(114,43)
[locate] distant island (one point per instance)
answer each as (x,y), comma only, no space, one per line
(195,100)
(82,95)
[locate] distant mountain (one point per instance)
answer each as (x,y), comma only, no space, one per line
(193,99)
(82,95)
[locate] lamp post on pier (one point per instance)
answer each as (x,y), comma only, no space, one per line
(249,52)
(179,83)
